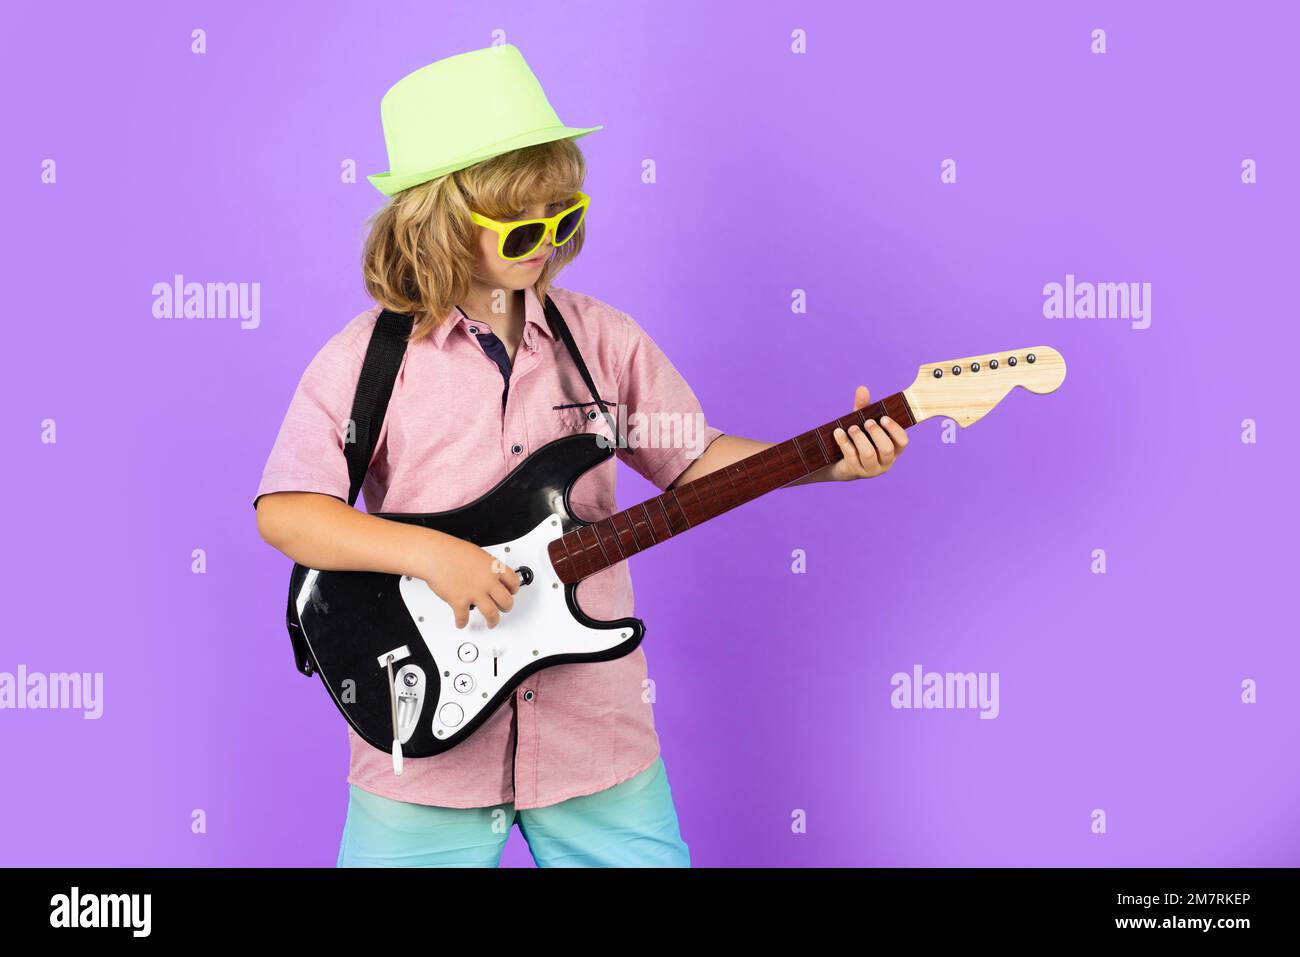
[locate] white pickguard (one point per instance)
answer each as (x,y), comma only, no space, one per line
(476,661)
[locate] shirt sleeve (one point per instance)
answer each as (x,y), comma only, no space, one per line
(308,452)
(666,426)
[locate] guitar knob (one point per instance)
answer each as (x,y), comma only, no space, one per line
(956,370)
(1011,361)
(993,363)
(1030,358)
(938,373)
(525,574)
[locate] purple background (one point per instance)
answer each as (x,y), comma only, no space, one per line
(775,172)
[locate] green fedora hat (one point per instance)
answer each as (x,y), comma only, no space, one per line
(461,110)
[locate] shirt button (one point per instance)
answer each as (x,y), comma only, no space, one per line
(516,448)
(528,696)
(474,329)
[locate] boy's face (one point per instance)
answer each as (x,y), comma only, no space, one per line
(516,273)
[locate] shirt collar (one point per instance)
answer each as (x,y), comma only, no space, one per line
(534,314)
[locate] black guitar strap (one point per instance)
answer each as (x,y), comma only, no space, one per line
(559,326)
(374,389)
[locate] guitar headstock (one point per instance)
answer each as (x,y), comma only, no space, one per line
(965,390)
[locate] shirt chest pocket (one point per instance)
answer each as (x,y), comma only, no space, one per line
(578,418)
(571,417)
(592,495)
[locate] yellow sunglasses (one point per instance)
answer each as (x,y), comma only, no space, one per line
(520,238)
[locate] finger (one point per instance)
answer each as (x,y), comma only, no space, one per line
(861,397)
(501,595)
(506,575)
(896,432)
(488,609)
(883,443)
(854,447)
(867,451)
(847,449)
(462,613)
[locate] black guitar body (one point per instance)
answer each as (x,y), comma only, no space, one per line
(346,624)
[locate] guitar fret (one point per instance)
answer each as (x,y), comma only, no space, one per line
(762,473)
(649,524)
(701,504)
(558,560)
(781,466)
(568,551)
(732,494)
(802,461)
(596,539)
(659,500)
(791,466)
(575,557)
(658,524)
(826,445)
(708,492)
(603,527)
(631,535)
(742,474)
(595,535)
(680,492)
(684,494)
(635,521)
(716,501)
(830,451)
(793,462)
(677,518)
(758,469)
(801,441)
(731,479)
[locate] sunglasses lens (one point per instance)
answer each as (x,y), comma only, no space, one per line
(523,239)
(568,226)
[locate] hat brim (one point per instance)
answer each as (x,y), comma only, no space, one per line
(389,184)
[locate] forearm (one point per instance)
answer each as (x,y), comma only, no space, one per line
(320,531)
(728,448)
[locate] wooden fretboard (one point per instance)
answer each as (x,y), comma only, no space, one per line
(597,546)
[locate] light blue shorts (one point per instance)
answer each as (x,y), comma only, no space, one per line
(632,824)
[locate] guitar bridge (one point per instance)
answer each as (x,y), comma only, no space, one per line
(411,687)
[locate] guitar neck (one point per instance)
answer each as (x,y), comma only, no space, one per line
(595,547)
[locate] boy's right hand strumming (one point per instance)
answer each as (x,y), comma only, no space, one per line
(462,574)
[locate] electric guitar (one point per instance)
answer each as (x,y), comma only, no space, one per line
(420,686)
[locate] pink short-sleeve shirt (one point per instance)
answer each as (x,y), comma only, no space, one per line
(447,439)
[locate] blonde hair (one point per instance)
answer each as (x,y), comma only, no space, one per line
(421,250)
